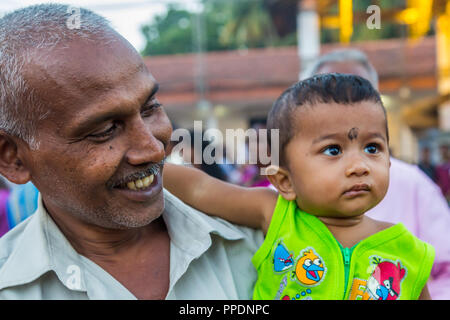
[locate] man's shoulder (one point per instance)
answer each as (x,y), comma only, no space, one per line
(11,240)
(208,250)
(211,224)
(16,259)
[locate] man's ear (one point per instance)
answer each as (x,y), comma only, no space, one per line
(282,181)
(11,164)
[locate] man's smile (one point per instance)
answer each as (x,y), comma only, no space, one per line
(140,186)
(141,183)
(138,180)
(141,190)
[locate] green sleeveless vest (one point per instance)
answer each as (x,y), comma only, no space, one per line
(301,259)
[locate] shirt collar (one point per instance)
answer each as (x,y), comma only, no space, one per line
(39,246)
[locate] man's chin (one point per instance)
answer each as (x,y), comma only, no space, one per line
(139,217)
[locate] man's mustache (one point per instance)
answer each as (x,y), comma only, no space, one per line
(154,168)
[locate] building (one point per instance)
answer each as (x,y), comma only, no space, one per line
(235,87)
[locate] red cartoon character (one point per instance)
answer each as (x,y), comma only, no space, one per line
(384,283)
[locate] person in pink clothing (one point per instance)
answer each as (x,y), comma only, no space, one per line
(4,226)
(443,171)
(4,194)
(412,197)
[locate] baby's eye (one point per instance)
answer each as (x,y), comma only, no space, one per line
(332,150)
(371,148)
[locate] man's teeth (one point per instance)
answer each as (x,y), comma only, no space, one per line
(141,183)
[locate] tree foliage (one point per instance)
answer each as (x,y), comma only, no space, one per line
(241,24)
(228,25)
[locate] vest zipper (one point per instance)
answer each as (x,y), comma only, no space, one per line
(346,252)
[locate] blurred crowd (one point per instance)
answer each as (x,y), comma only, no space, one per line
(439,172)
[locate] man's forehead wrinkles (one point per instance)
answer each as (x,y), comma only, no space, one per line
(58,84)
(83,65)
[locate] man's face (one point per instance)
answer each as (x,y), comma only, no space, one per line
(338,161)
(104,134)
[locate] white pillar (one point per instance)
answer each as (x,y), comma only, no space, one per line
(308,33)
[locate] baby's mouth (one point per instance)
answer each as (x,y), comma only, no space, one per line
(360,187)
(357,189)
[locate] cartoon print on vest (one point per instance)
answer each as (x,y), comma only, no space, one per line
(282,258)
(385,281)
(310,268)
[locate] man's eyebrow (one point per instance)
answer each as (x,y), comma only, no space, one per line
(151,95)
(111,114)
(153,92)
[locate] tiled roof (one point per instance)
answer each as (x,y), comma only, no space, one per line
(262,74)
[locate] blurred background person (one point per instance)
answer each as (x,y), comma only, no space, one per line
(443,171)
(412,198)
(221,171)
(4,193)
(425,163)
(17,203)
(250,173)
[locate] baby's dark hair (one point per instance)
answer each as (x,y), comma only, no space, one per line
(337,88)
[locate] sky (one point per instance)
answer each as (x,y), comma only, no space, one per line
(125,16)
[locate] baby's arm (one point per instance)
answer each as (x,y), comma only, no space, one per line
(252,207)
(425,294)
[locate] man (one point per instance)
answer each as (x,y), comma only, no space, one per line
(80,119)
(412,198)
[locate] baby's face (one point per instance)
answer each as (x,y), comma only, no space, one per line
(338,161)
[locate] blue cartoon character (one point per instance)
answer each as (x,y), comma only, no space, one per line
(310,268)
(282,258)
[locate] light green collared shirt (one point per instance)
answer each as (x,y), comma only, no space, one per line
(209,259)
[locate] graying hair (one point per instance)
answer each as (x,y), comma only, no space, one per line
(26,33)
(343,55)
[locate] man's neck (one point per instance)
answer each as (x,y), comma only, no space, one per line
(96,242)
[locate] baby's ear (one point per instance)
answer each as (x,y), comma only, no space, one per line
(281,179)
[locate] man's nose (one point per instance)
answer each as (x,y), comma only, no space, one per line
(357,165)
(145,147)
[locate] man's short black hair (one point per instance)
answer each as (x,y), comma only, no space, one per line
(337,88)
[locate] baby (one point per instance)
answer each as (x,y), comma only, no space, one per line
(334,166)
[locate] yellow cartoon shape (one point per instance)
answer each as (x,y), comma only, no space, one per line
(310,268)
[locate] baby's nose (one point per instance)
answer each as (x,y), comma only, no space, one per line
(357,166)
